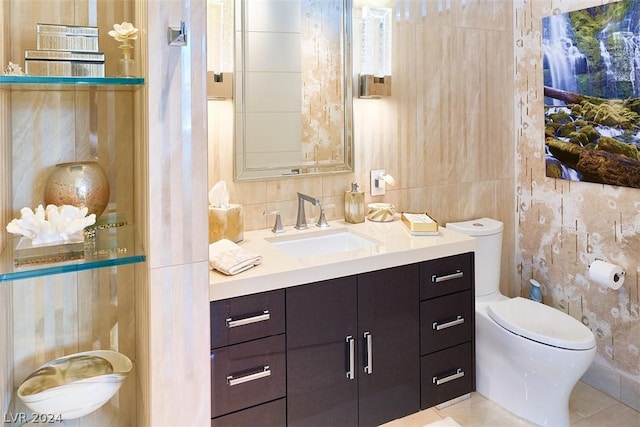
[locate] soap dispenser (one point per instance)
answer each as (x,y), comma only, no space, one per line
(354,205)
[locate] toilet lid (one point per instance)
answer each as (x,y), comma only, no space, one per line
(541,323)
(477,227)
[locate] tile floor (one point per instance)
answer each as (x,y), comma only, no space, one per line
(589,408)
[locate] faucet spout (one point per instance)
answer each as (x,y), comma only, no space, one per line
(301,221)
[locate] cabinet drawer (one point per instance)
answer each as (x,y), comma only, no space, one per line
(270,414)
(446,375)
(446,321)
(247,374)
(446,275)
(245,318)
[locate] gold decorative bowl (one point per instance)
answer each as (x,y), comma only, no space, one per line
(75,385)
(380,212)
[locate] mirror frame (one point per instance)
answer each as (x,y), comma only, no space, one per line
(244,173)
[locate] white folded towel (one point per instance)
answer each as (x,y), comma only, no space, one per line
(229,258)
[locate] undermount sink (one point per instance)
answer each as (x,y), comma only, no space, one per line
(323,242)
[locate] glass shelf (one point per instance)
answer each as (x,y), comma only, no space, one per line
(71,81)
(110,247)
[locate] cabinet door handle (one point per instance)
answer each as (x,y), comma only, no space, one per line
(351,357)
(235,379)
(233,323)
(437,327)
(457,275)
(368,338)
(459,374)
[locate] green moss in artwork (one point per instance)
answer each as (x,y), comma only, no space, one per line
(588,23)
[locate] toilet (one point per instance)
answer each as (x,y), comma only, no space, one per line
(529,356)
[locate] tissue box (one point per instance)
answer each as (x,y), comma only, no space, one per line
(226,223)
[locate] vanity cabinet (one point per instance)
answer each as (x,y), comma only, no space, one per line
(447,319)
(248,365)
(359,350)
(352,349)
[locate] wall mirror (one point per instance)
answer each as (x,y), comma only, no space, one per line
(292,84)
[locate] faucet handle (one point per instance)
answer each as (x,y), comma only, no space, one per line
(322,219)
(277,227)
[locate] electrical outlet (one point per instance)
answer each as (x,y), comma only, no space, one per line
(377,185)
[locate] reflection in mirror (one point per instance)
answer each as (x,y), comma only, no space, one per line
(292,87)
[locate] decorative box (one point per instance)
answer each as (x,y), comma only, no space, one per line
(226,223)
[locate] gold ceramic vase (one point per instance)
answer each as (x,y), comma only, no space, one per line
(81,184)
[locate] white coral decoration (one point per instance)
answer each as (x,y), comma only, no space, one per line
(13,70)
(123,32)
(55,224)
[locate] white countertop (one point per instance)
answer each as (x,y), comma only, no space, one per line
(395,246)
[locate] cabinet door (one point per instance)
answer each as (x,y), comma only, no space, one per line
(446,321)
(321,318)
(247,374)
(246,318)
(388,327)
(447,374)
(445,276)
(272,414)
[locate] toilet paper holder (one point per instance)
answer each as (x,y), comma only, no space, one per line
(606,274)
(622,273)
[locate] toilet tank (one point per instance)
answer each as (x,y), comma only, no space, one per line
(488,234)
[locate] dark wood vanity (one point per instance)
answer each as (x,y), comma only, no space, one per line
(357,350)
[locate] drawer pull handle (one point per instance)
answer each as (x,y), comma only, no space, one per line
(457,275)
(439,381)
(263,372)
(351,357)
(459,321)
(231,323)
(368,369)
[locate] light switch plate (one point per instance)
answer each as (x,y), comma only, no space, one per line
(379,190)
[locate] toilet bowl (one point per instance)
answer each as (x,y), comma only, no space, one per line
(529,356)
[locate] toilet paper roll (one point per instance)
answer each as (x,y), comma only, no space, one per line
(606,274)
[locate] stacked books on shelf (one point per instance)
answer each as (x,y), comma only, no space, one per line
(66,51)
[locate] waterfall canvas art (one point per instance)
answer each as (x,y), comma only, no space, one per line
(591,65)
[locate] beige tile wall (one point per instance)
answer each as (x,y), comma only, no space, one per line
(446,133)
(564,226)
(172,305)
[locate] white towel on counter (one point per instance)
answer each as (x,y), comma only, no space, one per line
(229,258)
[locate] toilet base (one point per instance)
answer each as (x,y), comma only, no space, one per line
(532,380)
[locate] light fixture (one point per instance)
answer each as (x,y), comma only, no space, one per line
(375,52)
(379,181)
(219,85)
(220,36)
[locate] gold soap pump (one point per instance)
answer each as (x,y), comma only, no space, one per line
(354,205)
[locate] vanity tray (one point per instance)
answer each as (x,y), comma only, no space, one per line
(419,224)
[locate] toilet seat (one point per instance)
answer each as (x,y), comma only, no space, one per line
(541,323)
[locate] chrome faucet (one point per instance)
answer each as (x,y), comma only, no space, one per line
(301,221)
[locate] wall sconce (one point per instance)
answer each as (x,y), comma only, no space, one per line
(220,46)
(375,52)
(219,85)
(379,181)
